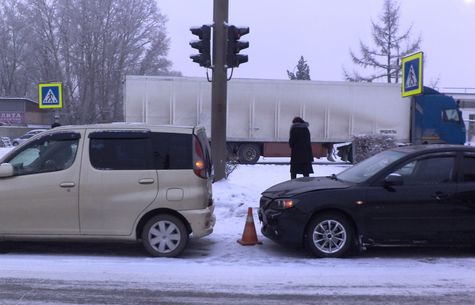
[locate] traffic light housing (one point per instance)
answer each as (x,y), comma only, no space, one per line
(203,45)
(235,45)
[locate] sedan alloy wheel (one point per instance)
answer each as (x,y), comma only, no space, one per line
(329,235)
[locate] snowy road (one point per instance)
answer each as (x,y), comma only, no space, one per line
(60,292)
(59,273)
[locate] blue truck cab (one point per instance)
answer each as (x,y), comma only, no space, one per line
(436,118)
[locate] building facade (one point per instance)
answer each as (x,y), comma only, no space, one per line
(19,115)
(23,112)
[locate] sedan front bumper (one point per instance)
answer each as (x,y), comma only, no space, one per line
(283,226)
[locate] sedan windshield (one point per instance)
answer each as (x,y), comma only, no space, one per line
(366,169)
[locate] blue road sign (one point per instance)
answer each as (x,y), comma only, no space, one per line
(412,83)
(50,95)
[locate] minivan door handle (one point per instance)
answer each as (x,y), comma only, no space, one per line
(67,184)
(146,181)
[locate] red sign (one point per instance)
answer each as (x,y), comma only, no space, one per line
(12,117)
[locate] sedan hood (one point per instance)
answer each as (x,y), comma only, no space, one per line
(302,185)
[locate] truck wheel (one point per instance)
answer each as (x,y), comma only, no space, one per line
(164,236)
(330,235)
(249,153)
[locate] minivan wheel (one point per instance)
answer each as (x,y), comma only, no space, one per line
(164,236)
(329,235)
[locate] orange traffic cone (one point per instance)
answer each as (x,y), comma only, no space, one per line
(249,236)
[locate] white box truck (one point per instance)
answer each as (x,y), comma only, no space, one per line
(260,112)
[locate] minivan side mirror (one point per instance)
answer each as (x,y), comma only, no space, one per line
(6,170)
(393,179)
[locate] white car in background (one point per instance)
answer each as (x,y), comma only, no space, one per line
(26,136)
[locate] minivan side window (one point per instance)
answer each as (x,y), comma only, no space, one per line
(47,154)
(172,150)
(468,168)
(119,152)
(116,150)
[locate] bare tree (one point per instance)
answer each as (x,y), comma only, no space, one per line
(390,46)
(15,51)
(99,42)
(88,45)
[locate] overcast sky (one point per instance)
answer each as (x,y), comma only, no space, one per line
(323,32)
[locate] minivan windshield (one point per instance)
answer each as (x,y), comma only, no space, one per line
(367,168)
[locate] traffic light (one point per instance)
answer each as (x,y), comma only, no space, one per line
(203,45)
(235,45)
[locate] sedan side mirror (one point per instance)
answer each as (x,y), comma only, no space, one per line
(6,170)
(393,179)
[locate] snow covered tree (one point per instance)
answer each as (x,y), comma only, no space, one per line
(303,71)
(390,46)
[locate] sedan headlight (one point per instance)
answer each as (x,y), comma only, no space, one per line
(285,203)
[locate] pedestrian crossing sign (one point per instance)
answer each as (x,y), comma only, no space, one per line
(50,95)
(412,75)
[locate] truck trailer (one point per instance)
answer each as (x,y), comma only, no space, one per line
(260,112)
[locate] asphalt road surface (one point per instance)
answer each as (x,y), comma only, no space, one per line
(34,291)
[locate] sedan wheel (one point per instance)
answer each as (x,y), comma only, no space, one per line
(329,235)
(165,236)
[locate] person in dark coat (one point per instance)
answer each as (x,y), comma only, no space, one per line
(301,156)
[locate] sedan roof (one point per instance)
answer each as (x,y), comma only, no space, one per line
(434,148)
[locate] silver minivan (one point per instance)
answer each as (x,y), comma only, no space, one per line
(110,182)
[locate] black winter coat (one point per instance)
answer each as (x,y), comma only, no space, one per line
(300,144)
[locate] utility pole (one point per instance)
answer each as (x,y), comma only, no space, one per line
(219,89)
(226,48)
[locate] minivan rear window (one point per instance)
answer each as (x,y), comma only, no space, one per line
(120,134)
(130,150)
(120,154)
(172,150)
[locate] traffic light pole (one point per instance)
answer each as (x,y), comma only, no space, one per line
(219,89)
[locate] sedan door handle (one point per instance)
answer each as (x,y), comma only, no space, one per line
(146,181)
(67,184)
(441,195)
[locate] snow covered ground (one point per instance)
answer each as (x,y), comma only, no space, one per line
(217,263)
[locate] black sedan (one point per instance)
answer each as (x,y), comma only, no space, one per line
(408,195)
